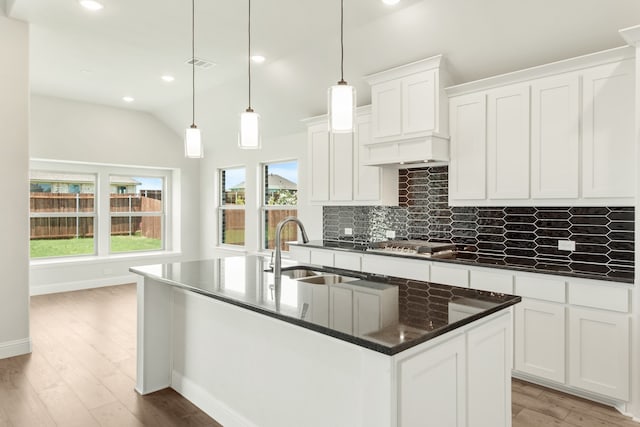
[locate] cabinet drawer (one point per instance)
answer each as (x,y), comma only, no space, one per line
(300,254)
(599,296)
(450,276)
(543,289)
(398,267)
(322,257)
(491,281)
(347,261)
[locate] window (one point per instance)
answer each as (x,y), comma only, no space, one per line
(279,200)
(232,203)
(62,214)
(81,209)
(136,209)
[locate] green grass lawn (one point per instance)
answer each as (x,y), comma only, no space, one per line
(84,246)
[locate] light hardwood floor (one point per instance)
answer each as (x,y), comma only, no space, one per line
(82,373)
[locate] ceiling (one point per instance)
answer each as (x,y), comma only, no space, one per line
(123,49)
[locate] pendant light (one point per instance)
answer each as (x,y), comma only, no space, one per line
(249,135)
(192,139)
(342,97)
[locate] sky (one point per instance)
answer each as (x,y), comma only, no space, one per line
(149,183)
(288,170)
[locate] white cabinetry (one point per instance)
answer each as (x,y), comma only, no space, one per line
(409,114)
(508,142)
(336,174)
(599,352)
(314,301)
(607,130)
(468,147)
(555,141)
(539,339)
(396,266)
(362,307)
(560,134)
(444,364)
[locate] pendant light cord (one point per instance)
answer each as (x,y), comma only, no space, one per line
(341,40)
(193,63)
(249,55)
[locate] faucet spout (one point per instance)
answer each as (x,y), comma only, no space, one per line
(277,266)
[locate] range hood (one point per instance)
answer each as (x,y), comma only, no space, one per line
(429,150)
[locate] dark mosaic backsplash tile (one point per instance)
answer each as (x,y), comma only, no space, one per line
(525,236)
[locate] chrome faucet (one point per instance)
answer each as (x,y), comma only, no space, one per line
(277,266)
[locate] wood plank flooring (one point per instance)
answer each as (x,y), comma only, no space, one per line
(82,373)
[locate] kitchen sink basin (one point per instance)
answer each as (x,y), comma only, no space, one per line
(299,273)
(326,279)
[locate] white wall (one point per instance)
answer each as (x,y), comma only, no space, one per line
(228,154)
(67,130)
(14,166)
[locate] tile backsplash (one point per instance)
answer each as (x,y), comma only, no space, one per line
(526,236)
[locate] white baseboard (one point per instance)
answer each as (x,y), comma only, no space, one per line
(15,348)
(82,284)
(208,403)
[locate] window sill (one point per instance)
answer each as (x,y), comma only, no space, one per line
(52,262)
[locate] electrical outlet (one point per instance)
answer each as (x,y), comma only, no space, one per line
(390,234)
(566,245)
(348,231)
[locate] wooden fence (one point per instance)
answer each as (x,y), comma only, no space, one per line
(234,225)
(43,227)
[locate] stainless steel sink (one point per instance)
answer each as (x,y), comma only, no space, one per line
(299,273)
(327,279)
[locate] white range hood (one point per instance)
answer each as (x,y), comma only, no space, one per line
(427,150)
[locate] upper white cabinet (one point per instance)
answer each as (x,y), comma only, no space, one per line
(468,147)
(555,135)
(335,171)
(409,120)
(555,141)
(508,142)
(607,130)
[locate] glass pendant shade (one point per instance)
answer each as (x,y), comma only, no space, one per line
(249,136)
(342,107)
(193,143)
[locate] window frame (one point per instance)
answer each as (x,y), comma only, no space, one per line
(264,208)
(102,220)
(225,207)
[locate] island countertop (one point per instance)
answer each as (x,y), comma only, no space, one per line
(414,312)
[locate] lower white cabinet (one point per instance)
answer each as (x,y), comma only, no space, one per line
(341,309)
(540,339)
(419,401)
(314,300)
(396,266)
(454,276)
(599,352)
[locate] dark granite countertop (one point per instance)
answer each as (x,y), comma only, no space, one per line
(424,310)
(483,260)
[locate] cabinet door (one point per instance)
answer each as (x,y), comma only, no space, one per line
(599,352)
(608,156)
(419,400)
(555,120)
(489,374)
(419,103)
(386,102)
(366,313)
(319,163)
(508,142)
(468,147)
(539,337)
(341,167)
(341,309)
(313,302)
(366,184)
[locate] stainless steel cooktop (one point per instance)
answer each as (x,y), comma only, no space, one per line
(420,248)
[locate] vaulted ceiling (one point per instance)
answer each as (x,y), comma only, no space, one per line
(126,47)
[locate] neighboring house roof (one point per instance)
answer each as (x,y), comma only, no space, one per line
(275,182)
(42,176)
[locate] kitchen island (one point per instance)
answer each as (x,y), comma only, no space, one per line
(339,348)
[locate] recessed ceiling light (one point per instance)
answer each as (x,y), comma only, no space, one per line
(258,59)
(167,78)
(128,99)
(91,4)
(391,2)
